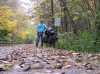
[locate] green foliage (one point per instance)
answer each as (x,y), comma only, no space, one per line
(4,35)
(83,42)
(7,24)
(97,43)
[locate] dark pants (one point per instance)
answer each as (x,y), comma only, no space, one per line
(39,38)
(51,40)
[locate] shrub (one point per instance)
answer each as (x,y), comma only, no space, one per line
(83,42)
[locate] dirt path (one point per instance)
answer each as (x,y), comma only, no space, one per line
(26,59)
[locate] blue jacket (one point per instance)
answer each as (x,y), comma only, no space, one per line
(41,27)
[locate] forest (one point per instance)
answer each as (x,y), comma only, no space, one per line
(76,21)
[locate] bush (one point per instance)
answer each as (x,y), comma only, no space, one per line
(4,36)
(83,42)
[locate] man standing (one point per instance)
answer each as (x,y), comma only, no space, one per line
(41,27)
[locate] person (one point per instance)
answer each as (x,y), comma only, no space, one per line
(41,27)
(51,36)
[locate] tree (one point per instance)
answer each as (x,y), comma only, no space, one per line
(7,23)
(76,14)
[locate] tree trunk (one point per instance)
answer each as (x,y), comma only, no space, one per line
(68,21)
(52,12)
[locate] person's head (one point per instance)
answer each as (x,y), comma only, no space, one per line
(41,21)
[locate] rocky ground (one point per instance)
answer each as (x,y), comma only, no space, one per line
(26,59)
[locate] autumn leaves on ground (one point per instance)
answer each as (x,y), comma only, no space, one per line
(27,59)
